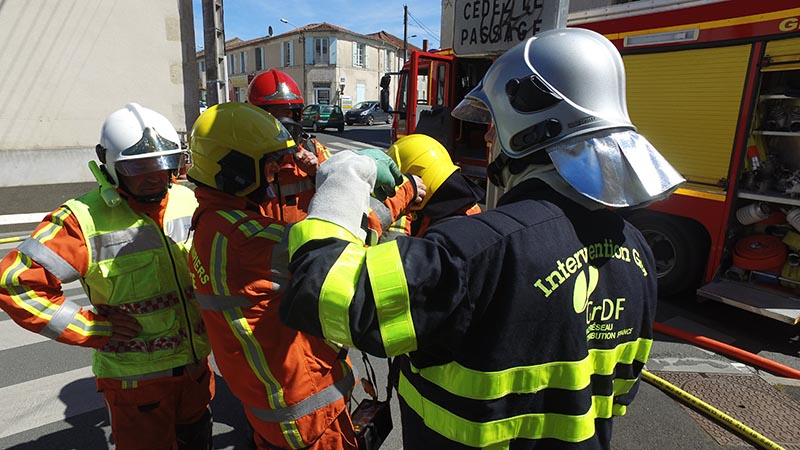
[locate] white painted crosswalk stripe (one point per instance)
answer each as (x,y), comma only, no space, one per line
(338,146)
(14,219)
(35,403)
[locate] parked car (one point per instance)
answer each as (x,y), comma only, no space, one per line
(368,113)
(319,117)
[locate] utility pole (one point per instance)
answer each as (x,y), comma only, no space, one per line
(405,33)
(214,39)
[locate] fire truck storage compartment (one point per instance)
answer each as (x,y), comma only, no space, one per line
(764,236)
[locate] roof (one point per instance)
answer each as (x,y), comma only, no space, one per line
(393,40)
(233,44)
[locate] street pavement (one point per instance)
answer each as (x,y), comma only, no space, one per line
(48,400)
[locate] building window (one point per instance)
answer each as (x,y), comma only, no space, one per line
(259,58)
(359,54)
(243,61)
(321,51)
(202,67)
(287,53)
(231,65)
(387,64)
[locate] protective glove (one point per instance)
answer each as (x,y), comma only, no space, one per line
(343,186)
(388,175)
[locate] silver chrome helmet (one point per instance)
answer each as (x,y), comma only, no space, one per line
(136,140)
(559,87)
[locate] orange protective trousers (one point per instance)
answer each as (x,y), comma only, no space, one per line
(145,414)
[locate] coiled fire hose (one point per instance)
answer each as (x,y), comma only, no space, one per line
(720,417)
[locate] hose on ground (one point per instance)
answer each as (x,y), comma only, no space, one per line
(713,413)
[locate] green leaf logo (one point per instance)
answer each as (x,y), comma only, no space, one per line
(583,288)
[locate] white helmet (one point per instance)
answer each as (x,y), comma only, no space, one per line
(564,91)
(136,140)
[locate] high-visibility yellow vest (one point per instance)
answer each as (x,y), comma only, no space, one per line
(140,269)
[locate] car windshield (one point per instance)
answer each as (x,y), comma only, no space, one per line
(363,105)
(325,109)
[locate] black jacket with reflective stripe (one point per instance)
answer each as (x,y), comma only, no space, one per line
(537,281)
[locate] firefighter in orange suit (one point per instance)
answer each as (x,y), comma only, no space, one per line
(294,387)
(449,192)
(277,93)
(128,247)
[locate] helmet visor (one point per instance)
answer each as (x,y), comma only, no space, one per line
(615,168)
(279,155)
(472,110)
(139,166)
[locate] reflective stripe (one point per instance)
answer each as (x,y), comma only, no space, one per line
(390,290)
(124,242)
(233,216)
(571,375)
(381,212)
(49,259)
(42,308)
(310,229)
(400,227)
(310,404)
(279,267)
(219,264)
(253,352)
(337,293)
(253,228)
(178,229)
(48,231)
(297,188)
(211,302)
(60,320)
(564,427)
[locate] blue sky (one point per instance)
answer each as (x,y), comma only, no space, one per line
(249,19)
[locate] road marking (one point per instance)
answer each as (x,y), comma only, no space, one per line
(15,336)
(42,401)
(343,146)
(15,219)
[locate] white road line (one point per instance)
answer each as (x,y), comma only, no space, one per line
(343,146)
(15,336)
(15,219)
(39,402)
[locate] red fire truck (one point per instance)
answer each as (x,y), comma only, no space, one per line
(713,84)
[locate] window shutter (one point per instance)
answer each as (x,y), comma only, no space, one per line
(309,44)
(355,50)
(366,56)
(332,50)
(283,57)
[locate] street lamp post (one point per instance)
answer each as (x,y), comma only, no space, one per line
(303,49)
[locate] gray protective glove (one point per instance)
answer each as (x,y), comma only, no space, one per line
(344,182)
(388,175)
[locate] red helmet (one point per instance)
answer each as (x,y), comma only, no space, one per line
(274,88)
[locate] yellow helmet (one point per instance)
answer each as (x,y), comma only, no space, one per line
(228,143)
(425,157)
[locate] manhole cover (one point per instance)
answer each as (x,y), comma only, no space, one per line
(748,399)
